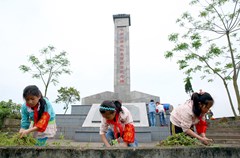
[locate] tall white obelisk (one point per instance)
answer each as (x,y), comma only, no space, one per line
(121,56)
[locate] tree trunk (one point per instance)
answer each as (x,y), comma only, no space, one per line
(235,85)
(237,93)
(229,98)
(66,110)
(45,92)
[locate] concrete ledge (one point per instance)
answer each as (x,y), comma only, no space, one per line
(91,134)
(180,152)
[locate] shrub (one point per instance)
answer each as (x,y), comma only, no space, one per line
(15,140)
(9,110)
(180,139)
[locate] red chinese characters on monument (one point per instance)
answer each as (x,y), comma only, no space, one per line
(121,56)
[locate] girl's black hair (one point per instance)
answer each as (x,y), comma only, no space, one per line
(34,91)
(197,98)
(117,105)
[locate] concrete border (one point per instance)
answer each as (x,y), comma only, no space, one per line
(156,152)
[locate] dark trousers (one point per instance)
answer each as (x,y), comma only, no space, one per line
(175,129)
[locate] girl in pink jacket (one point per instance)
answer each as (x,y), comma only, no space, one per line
(184,117)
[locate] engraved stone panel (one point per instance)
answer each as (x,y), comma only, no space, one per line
(138,111)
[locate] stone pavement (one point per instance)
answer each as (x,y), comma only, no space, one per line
(74,144)
(71,143)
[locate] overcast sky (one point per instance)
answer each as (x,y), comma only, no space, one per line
(85,29)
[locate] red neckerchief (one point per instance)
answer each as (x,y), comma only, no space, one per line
(116,125)
(201,126)
(35,111)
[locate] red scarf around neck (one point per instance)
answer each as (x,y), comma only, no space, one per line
(40,123)
(117,126)
(201,126)
(35,111)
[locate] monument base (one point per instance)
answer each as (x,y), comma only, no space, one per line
(71,127)
(138,111)
(134,97)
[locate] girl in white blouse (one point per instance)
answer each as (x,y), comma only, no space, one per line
(116,124)
(192,112)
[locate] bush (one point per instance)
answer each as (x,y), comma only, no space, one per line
(15,140)
(9,110)
(180,139)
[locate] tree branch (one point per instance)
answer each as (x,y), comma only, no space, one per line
(216,38)
(238,68)
(219,15)
(209,66)
(40,74)
(235,30)
(235,22)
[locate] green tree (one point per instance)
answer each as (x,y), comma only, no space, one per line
(49,67)
(9,109)
(188,86)
(210,44)
(67,96)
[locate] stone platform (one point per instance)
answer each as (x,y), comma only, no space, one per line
(71,126)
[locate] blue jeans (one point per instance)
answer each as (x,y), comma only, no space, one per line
(152,118)
(162,118)
(110,137)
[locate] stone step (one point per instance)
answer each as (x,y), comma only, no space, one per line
(232,125)
(223,136)
(223,133)
(229,129)
(8,122)
(10,129)
(143,134)
(227,141)
(91,134)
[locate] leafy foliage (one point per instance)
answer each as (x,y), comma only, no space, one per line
(67,96)
(114,142)
(180,139)
(15,140)
(49,67)
(9,110)
(188,86)
(210,44)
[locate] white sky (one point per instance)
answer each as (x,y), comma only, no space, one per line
(85,29)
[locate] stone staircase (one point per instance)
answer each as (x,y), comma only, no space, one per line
(11,126)
(224,131)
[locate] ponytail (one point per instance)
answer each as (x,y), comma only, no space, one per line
(196,108)
(43,107)
(203,98)
(118,105)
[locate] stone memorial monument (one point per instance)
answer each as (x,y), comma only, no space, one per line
(84,121)
(135,101)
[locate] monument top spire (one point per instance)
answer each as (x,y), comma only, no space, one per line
(118,16)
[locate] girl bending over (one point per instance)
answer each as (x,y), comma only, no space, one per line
(184,117)
(37,116)
(120,121)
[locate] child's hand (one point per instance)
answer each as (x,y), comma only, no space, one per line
(23,132)
(206,141)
